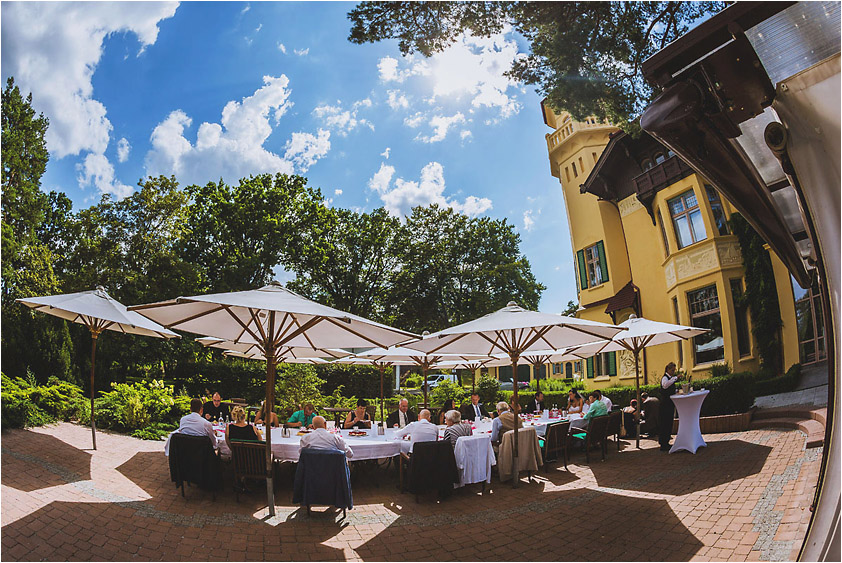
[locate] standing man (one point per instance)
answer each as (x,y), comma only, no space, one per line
(475,410)
(667,407)
(401,417)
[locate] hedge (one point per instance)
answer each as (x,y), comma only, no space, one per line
(780,384)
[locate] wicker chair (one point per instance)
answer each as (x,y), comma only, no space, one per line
(249,462)
(615,420)
(555,441)
(596,433)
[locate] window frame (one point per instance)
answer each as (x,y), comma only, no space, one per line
(686,213)
(715,203)
(703,314)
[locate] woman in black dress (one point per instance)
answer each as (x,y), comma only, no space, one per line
(448,406)
(240,429)
(358,418)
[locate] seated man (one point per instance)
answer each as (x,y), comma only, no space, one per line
(194,425)
(455,429)
(304,417)
(596,408)
(321,439)
(474,409)
(504,422)
(536,405)
(605,400)
(215,409)
(629,418)
(649,414)
(422,430)
(401,417)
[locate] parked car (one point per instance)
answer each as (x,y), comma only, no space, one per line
(507,386)
(435,379)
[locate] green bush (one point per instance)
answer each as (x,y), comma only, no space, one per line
(155,431)
(140,405)
(764,385)
(361,381)
(414,381)
(719,370)
(448,390)
(488,389)
(25,404)
(556,385)
(296,385)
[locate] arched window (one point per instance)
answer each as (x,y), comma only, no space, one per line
(646,164)
(568,370)
(659,158)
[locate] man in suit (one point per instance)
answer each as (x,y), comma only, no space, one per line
(401,417)
(536,405)
(474,409)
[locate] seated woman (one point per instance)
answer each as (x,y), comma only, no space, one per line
(574,402)
(448,406)
(260,417)
(628,418)
(240,429)
(358,418)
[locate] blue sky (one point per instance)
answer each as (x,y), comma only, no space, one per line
(227,89)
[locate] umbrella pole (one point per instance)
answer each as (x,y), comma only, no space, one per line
(424,373)
(382,368)
(639,406)
(269,408)
(94,335)
(515,404)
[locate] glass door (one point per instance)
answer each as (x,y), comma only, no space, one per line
(810,318)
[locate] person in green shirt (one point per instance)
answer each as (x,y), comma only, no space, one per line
(303,417)
(597,407)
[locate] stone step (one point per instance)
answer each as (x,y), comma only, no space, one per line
(805,412)
(812,428)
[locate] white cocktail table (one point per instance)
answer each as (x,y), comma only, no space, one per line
(689,435)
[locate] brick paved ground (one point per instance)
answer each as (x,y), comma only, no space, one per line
(743,498)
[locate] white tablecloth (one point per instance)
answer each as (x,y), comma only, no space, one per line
(689,435)
(371,446)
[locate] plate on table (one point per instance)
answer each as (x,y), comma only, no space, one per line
(357,433)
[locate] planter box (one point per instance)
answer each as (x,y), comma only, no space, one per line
(723,423)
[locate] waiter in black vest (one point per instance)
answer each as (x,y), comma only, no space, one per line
(667,412)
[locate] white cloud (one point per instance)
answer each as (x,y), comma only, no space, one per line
(343,121)
(337,192)
(397,100)
(304,149)
(401,196)
(123,148)
(465,135)
(258,28)
(96,171)
(385,154)
(245,9)
(441,124)
(282,48)
(53,49)
(389,72)
(472,69)
(528,221)
(414,120)
(301,52)
(234,147)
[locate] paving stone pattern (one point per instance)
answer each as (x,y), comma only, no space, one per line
(745,497)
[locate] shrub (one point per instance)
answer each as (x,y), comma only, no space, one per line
(719,370)
(231,377)
(414,381)
(488,389)
(155,431)
(134,407)
(448,390)
(362,381)
(26,404)
(764,385)
(296,385)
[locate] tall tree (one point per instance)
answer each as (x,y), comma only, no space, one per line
(352,272)
(237,235)
(585,56)
(454,268)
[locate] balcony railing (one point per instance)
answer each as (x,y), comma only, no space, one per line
(661,175)
(570,127)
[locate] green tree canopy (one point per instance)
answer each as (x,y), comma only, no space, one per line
(585,56)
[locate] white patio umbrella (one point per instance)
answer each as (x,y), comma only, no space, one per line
(535,359)
(97,311)
(383,358)
(289,353)
(272,318)
(516,332)
(471,365)
(640,334)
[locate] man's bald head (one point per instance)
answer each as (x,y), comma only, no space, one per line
(319,422)
(425,415)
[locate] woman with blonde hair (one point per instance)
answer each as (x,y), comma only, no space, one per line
(240,429)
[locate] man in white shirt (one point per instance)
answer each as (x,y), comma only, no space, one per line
(194,424)
(604,398)
(422,430)
(321,439)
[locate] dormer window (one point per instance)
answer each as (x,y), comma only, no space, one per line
(659,158)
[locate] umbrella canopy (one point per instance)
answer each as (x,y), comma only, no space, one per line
(641,333)
(285,353)
(273,318)
(514,331)
(97,311)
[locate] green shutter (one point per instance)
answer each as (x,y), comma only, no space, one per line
(612,363)
(590,367)
(603,265)
(583,270)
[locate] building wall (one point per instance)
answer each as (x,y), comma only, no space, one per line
(635,250)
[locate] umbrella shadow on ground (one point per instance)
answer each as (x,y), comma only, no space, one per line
(52,463)
(681,473)
(576,524)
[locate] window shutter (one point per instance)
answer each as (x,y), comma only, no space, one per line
(612,363)
(603,265)
(590,367)
(583,270)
